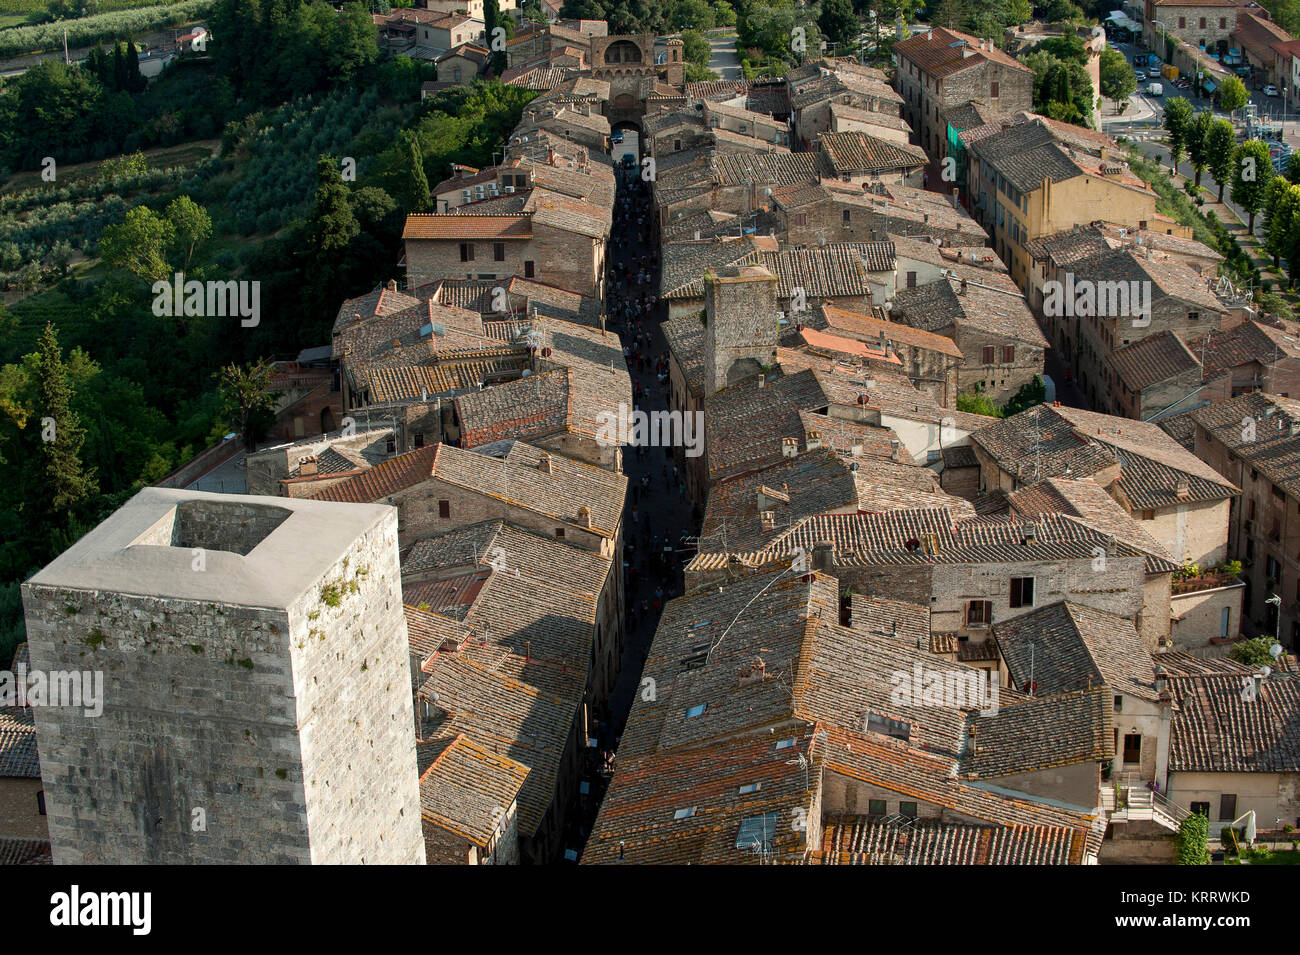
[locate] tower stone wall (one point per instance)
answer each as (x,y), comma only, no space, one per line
(741,325)
(256,688)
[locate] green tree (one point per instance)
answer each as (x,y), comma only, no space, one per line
(417,184)
(1279,212)
(65,484)
(332,225)
(139,244)
(1252,171)
(695,48)
(1253,652)
(1118,81)
(191,226)
(1178,121)
(837,21)
(1221,143)
(1232,95)
(246,396)
(1198,142)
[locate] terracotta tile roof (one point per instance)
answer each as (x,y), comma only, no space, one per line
(395,474)
(746,422)
(18,756)
(871,840)
(831,271)
(940,52)
(857,152)
(1050,732)
(1272,446)
(1250,342)
(1153,359)
(19,851)
(685,263)
(528,408)
(972,114)
(843,435)
(774,168)
(943,304)
(815,482)
(685,336)
(1046,441)
(1168,276)
(1089,502)
(420,225)
(1065,647)
(867,328)
(753,685)
(467,790)
(867,117)
(1216,730)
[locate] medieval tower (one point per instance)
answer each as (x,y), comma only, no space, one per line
(741,325)
(256,701)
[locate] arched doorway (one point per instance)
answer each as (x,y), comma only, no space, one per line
(622,53)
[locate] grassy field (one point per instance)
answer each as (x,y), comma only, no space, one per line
(169,157)
(15,13)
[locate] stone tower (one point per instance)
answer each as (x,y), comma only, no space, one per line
(741,325)
(256,686)
(675,62)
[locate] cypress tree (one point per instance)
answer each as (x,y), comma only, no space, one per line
(66,482)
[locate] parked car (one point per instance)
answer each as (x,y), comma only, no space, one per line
(616,136)
(1270,90)
(1141,75)
(1155,89)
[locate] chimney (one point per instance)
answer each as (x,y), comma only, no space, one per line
(1162,679)
(392,285)
(963,286)
(1182,490)
(956,197)
(584,516)
(1259,682)
(789,447)
(894,445)
(974,747)
(1031,534)
(823,556)
(762,380)
(814,440)
(544,463)
(307,467)
(755,672)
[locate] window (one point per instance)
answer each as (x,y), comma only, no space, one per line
(419,439)
(528,269)
(748,788)
(979,613)
(1227,807)
(1223,23)
(697,710)
(1119,704)
(677,145)
(993,89)
(498,251)
(784,744)
(391,445)
(907,809)
(1193,316)
(1148,515)
(1202,23)
(1022,591)
(1132,748)
(559,532)
(1225,616)
(684,813)
(911,280)
(875,807)
(1182,23)
(988,354)
(756,832)
(846,216)
(444,509)
(1201,809)
(1008,354)
(466,252)
(1272,568)
(801,218)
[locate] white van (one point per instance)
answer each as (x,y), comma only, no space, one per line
(1155,89)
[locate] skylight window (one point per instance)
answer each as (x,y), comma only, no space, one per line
(684,813)
(748,788)
(757,832)
(785,743)
(697,710)
(888,727)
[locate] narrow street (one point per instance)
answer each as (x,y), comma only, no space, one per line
(658,515)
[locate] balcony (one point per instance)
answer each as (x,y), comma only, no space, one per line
(1130,802)
(1198,582)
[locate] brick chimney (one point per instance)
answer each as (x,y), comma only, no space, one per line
(814,440)
(584,516)
(544,463)
(789,447)
(823,556)
(1182,489)
(307,467)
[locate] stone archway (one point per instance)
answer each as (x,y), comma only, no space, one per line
(622,53)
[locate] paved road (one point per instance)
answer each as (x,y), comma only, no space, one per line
(724,60)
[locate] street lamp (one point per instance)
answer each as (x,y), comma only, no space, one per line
(1276,601)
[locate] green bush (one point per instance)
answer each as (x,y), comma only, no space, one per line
(1193,838)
